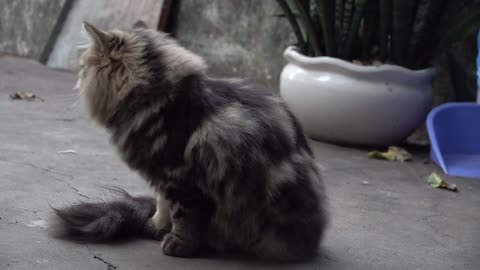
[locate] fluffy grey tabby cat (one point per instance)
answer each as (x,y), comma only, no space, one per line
(228,161)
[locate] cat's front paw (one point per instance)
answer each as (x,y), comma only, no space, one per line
(150,231)
(173,245)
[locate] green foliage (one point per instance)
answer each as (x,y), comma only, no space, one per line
(403,32)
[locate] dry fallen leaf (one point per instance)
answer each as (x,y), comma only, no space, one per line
(435,181)
(25,96)
(394,153)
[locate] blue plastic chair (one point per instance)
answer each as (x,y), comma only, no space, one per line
(454,131)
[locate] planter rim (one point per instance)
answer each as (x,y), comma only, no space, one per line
(292,55)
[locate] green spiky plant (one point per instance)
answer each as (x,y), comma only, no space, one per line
(403,32)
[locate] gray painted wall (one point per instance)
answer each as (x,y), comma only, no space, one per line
(26,25)
(239,38)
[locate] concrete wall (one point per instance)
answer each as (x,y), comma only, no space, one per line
(237,37)
(26,26)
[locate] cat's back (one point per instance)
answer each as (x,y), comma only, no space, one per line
(249,114)
(263,108)
(273,166)
(245,92)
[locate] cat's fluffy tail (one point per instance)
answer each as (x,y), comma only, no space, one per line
(121,218)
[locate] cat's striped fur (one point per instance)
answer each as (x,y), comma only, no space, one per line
(229,162)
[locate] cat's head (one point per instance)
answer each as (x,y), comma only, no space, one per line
(117,63)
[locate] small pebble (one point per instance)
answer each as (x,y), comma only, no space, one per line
(365,183)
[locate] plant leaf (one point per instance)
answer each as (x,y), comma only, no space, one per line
(370,26)
(338,21)
(292,19)
(25,96)
(426,20)
(435,181)
(394,153)
(347,19)
(283,15)
(459,27)
(385,27)
(309,27)
(322,9)
(403,17)
(353,30)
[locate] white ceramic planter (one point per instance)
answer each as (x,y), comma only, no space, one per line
(337,101)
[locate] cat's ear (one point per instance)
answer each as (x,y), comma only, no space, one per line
(140,25)
(99,37)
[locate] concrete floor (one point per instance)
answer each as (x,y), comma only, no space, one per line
(396,221)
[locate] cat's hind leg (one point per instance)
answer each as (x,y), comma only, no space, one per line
(190,213)
(184,238)
(273,246)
